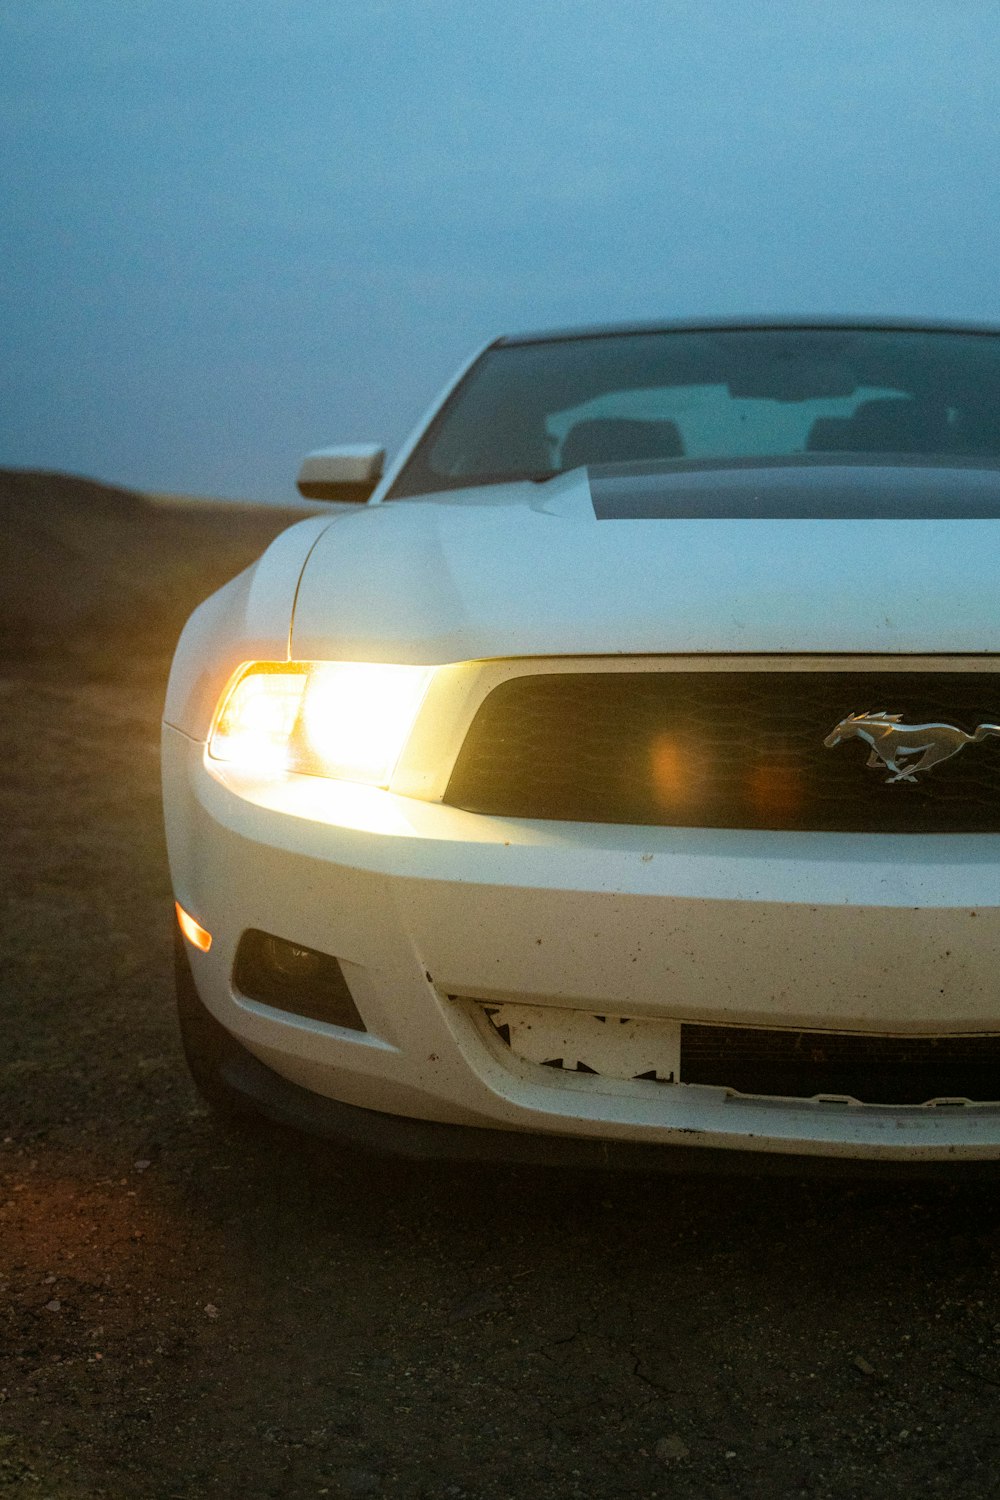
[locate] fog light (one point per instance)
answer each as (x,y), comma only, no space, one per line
(289,963)
(301,981)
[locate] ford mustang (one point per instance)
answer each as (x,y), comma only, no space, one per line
(616,776)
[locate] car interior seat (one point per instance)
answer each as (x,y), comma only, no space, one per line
(610,440)
(977,432)
(894,424)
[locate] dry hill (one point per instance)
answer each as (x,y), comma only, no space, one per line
(96,576)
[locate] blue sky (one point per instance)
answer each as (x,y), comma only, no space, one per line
(237,229)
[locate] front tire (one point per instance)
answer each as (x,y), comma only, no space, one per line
(207,1045)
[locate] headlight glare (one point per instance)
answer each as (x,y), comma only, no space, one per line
(348,720)
(256,721)
(357,717)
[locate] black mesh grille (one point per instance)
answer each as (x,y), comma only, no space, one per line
(726,750)
(874,1070)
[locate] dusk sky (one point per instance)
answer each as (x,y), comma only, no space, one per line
(234,230)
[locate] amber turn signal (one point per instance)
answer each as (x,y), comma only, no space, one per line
(196,935)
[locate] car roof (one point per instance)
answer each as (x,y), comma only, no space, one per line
(692,325)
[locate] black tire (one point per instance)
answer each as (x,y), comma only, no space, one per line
(207,1045)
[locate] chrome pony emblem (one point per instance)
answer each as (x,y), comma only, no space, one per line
(892,742)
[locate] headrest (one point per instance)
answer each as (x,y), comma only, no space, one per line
(893,424)
(611,440)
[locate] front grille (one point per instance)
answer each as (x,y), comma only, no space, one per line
(871,1069)
(727,750)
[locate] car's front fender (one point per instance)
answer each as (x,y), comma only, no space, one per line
(249,619)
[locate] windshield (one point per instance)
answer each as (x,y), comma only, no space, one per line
(706,397)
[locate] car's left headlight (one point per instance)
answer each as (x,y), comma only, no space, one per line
(348,720)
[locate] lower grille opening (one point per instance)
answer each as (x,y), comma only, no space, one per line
(291,978)
(871,1069)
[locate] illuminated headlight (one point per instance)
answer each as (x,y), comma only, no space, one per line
(348,720)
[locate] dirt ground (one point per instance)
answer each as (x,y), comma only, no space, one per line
(192,1313)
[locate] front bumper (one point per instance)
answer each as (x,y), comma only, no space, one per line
(422,902)
(254,1089)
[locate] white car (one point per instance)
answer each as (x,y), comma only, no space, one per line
(618,778)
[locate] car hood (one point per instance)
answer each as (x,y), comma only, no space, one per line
(617,563)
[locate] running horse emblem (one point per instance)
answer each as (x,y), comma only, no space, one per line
(892,743)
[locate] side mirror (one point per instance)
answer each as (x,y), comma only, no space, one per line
(348,472)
